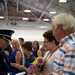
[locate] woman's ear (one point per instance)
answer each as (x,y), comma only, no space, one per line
(53,41)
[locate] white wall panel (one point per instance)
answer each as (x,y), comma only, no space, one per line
(28,30)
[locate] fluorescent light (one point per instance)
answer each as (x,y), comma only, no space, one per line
(52,12)
(25,18)
(43,26)
(45,19)
(63,1)
(1,17)
(27,10)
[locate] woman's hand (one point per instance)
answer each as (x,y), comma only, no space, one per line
(45,73)
(21,67)
(35,72)
(12,64)
(15,65)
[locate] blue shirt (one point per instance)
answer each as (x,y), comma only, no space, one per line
(29,60)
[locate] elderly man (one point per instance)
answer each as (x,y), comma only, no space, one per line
(5,36)
(63,26)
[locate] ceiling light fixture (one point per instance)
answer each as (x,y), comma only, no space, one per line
(63,1)
(52,12)
(27,11)
(45,19)
(25,18)
(1,17)
(43,26)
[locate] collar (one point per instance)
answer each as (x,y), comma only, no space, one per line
(69,37)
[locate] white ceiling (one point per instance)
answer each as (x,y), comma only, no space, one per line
(13,10)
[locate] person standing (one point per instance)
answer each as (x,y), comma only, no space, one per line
(5,36)
(16,56)
(63,26)
(27,49)
(51,46)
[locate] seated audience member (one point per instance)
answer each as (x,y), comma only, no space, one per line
(51,45)
(21,40)
(27,48)
(36,51)
(5,36)
(15,57)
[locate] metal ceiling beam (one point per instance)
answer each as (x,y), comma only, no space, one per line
(36,18)
(27,5)
(6,15)
(32,7)
(45,9)
(4,10)
(17,5)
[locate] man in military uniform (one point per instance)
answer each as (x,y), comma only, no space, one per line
(5,36)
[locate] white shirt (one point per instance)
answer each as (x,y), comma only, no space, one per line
(50,60)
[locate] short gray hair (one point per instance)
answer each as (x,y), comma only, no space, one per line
(66,20)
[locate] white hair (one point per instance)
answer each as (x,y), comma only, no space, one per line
(66,20)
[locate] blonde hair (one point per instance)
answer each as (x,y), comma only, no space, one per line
(66,20)
(17,41)
(19,48)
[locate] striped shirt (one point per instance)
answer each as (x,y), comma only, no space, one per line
(64,62)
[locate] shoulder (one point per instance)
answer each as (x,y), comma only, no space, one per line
(18,52)
(32,57)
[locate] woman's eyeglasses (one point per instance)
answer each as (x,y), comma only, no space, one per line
(46,41)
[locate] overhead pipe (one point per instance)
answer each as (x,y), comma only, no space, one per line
(17,5)
(6,16)
(3,9)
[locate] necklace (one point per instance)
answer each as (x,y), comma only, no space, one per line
(50,53)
